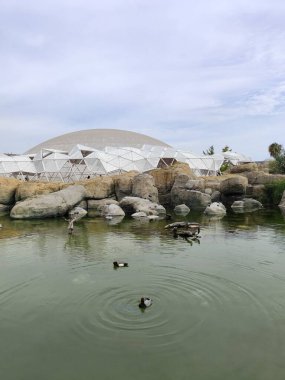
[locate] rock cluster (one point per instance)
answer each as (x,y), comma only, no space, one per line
(131,193)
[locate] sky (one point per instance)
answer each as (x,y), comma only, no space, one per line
(191,73)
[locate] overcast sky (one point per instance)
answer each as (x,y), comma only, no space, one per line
(191,73)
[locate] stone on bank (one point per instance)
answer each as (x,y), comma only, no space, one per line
(50,205)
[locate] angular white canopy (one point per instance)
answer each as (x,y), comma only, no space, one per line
(84,161)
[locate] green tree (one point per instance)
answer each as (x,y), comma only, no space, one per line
(210,151)
(275,149)
(226,149)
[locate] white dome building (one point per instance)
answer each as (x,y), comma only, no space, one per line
(98,139)
(88,153)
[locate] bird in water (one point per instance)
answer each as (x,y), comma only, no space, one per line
(184,234)
(193,227)
(118,264)
(145,302)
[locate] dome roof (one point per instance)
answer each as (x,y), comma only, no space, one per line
(97,138)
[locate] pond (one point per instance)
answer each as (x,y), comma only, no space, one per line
(218,305)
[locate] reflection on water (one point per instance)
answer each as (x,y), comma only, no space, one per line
(218,306)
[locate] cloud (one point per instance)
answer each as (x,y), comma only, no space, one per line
(174,70)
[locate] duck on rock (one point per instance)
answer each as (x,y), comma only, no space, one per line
(145,302)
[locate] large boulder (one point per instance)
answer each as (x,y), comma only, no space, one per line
(196,200)
(256,192)
(123,184)
(8,187)
(133,205)
(195,184)
(246,205)
(96,207)
(143,187)
(213,182)
(262,178)
(32,189)
(215,209)
(99,187)
(233,186)
(164,179)
(5,209)
(216,196)
(113,210)
(248,167)
(181,209)
(50,205)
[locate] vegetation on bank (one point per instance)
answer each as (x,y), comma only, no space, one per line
(277,166)
(273,192)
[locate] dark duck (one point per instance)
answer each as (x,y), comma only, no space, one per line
(118,264)
(185,234)
(145,302)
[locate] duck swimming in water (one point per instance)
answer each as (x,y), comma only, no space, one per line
(184,234)
(193,227)
(145,302)
(118,264)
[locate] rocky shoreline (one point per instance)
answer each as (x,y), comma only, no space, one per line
(139,195)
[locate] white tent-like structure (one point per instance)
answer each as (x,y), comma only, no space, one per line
(16,166)
(235,158)
(85,162)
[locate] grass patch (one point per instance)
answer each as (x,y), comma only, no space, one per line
(274,191)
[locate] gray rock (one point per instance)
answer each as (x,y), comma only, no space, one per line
(124,185)
(195,200)
(234,186)
(50,205)
(77,213)
(182,209)
(256,192)
(114,220)
(5,209)
(153,217)
(216,196)
(212,183)
(143,187)
(8,189)
(132,205)
(99,187)
(83,204)
(96,207)
(246,205)
(215,209)
(262,178)
(112,210)
(195,184)
(138,215)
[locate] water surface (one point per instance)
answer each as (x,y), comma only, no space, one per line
(218,307)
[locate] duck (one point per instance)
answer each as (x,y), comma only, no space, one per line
(184,234)
(118,264)
(145,302)
(191,226)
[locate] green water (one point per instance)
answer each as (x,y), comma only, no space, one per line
(218,308)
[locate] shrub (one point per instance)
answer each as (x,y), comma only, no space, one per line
(280,162)
(274,191)
(273,167)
